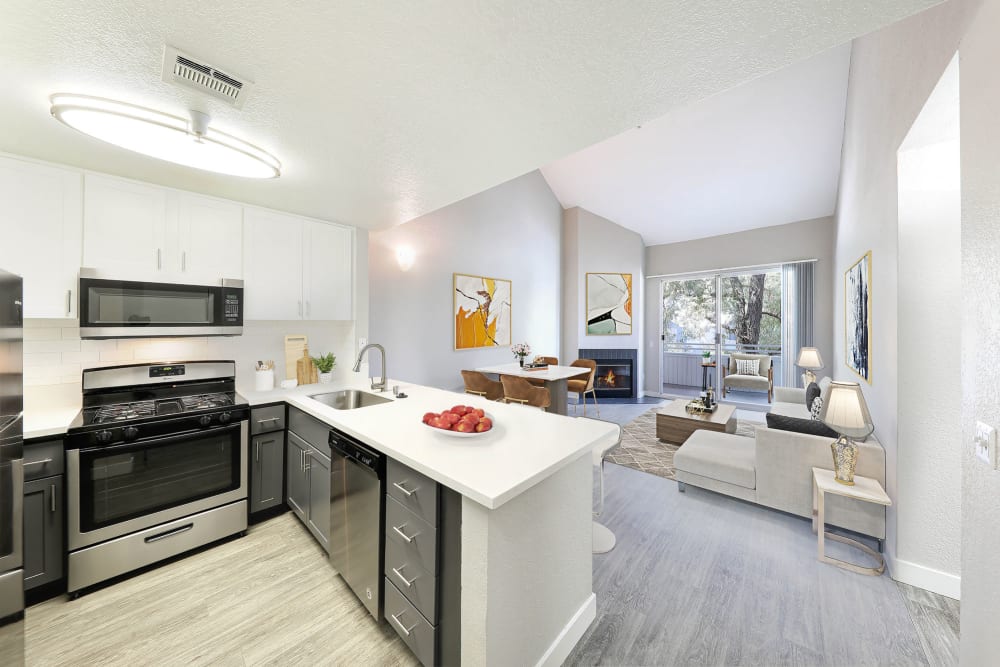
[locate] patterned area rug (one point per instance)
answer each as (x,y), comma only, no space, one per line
(641,450)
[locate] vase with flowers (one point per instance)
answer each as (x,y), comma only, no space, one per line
(521,350)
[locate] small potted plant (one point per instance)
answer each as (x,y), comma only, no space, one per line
(521,350)
(324,364)
(706,357)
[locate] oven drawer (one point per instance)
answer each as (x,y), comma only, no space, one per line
(43,459)
(124,554)
(414,491)
(416,538)
(410,625)
(267,419)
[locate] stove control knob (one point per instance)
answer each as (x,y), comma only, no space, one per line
(224,418)
(131,433)
(205,420)
(104,437)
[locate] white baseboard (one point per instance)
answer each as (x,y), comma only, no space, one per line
(921,576)
(571,634)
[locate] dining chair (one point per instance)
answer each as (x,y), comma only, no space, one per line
(478,384)
(583,384)
(551,361)
(519,390)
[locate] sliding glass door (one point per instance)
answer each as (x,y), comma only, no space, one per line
(707,318)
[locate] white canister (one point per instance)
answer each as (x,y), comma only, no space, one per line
(264,380)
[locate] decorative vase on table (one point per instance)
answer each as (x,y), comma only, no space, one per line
(325,378)
(521,350)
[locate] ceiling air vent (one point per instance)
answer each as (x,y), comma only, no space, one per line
(195,73)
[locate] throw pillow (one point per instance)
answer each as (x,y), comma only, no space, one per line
(816,408)
(812,392)
(796,425)
(748,366)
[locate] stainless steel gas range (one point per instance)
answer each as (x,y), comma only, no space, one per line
(156,466)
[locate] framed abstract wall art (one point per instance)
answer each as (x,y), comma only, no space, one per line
(858,317)
(482,311)
(609,304)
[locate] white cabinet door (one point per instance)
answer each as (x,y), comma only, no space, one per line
(272,265)
(210,235)
(124,228)
(328,267)
(40,226)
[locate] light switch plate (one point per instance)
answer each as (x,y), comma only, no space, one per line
(986,444)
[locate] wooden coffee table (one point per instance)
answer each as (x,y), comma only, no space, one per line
(675,425)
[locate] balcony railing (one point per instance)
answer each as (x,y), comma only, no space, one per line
(682,361)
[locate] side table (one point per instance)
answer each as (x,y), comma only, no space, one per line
(866,490)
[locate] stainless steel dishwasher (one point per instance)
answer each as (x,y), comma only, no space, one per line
(357,508)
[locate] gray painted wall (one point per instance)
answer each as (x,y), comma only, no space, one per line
(893,72)
(511,231)
(592,244)
(980,99)
(810,239)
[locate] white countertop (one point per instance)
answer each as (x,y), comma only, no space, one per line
(525,446)
(549,374)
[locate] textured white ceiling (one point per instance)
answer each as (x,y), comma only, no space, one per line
(764,153)
(384,111)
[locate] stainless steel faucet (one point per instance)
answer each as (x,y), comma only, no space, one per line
(376,386)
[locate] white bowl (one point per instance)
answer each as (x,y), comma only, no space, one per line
(459,434)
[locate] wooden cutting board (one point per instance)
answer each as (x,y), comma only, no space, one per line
(295,345)
(305,370)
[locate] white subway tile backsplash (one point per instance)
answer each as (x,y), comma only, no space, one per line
(54,354)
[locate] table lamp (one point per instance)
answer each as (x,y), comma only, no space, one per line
(810,360)
(845,411)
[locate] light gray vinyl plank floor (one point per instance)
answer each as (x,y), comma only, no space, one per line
(698,578)
(269,598)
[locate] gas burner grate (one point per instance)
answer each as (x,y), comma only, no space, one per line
(205,401)
(124,411)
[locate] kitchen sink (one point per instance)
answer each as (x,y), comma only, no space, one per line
(349,399)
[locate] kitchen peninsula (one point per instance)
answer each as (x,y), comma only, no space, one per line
(525,487)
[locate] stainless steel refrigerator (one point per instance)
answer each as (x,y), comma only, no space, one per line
(11,448)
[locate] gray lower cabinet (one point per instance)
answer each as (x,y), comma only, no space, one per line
(307,474)
(267,470)
(44,526)
(423,564)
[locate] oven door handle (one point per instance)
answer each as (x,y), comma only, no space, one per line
(142,444)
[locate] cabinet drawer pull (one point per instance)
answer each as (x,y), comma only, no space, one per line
(308,308)
(403,489)
(399,623)
(256,451)
(69,302)
(267,419)
(184,260)
(53,496)
(170,533)
(159,258)
(399,531)
(408,582)
(307,457)
(39,462)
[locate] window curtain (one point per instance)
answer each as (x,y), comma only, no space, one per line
(797,316)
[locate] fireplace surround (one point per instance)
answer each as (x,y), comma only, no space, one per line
(616,372)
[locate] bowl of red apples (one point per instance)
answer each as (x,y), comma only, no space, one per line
(462,421)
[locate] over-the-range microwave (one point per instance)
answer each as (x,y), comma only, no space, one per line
(111,308)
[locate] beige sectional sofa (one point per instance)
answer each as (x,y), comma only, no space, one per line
(774,468)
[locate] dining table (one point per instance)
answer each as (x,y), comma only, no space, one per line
(554,377)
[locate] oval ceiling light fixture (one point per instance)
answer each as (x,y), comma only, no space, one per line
(191,143)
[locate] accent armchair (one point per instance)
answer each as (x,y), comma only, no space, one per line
(763,381)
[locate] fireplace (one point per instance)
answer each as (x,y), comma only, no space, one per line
(616,372)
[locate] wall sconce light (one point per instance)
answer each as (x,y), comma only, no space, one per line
(405,257)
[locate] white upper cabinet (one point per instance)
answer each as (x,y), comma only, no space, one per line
(272,262)
(327,269)
(40,226)
(210,238)
(124,227)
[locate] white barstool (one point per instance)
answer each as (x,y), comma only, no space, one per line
(603,539)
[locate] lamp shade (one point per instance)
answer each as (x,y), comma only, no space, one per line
(809,358)
(845,410)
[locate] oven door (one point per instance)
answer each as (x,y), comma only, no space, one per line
(120,489)
(128,309)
